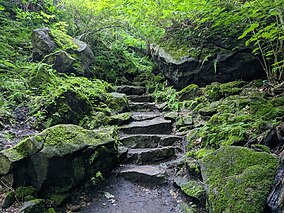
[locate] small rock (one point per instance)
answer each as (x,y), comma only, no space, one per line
(207,111)
(192,188)
(33,206)
(75,208)
(8,200)
(122,152)
(171,115)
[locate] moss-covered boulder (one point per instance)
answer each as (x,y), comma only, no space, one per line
(59,158)
(61,61)
(118,102)
(65,53)
(189,92)
(216,91)
(77,101)
(238,179)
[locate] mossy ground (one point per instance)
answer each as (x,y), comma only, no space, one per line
(224,114)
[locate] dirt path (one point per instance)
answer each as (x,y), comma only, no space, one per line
(118,195)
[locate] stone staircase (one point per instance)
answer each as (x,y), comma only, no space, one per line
(148,142)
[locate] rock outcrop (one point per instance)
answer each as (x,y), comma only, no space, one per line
(223,66)
(58,159)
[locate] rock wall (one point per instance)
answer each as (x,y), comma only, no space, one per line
(224,66)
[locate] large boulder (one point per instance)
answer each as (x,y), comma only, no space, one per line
(224,66)
(237,179)
(61,61)
(65,53)
(42,43)
(58,159)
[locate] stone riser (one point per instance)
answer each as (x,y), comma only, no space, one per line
(148,156)
(149,141)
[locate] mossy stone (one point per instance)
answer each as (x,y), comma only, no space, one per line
(207,111)
(118,102)
(216,91)
(8,200)
(171,115)
(189,92)
(58,199)
(33,206)
(192,188)
(184,121)
(120,119)
(22,192)
(238,179)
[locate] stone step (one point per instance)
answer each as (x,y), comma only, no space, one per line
(131,90)
(141,116)
(146,174)
(149,140)
(149,155)
(140,98)
(154,126)
(142,106)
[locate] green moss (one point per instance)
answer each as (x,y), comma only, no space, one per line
(60,135)
(193,189)
(216,91)
(58,199)
(239,179)
(277,101)
(51,210)
(189,92)
(120,119)
(203,152)
(238,118)
(22,192)
(94,121)
(62,40)
(187,208)
(118,102)
(23,149)
(70,100)
(197,103)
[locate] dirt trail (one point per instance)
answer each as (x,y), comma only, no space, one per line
(119,195)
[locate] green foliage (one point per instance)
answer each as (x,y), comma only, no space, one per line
(116,64)
(168,95)
(69,100)
(265,34)
(62,40)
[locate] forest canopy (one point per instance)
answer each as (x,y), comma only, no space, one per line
(257,24)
